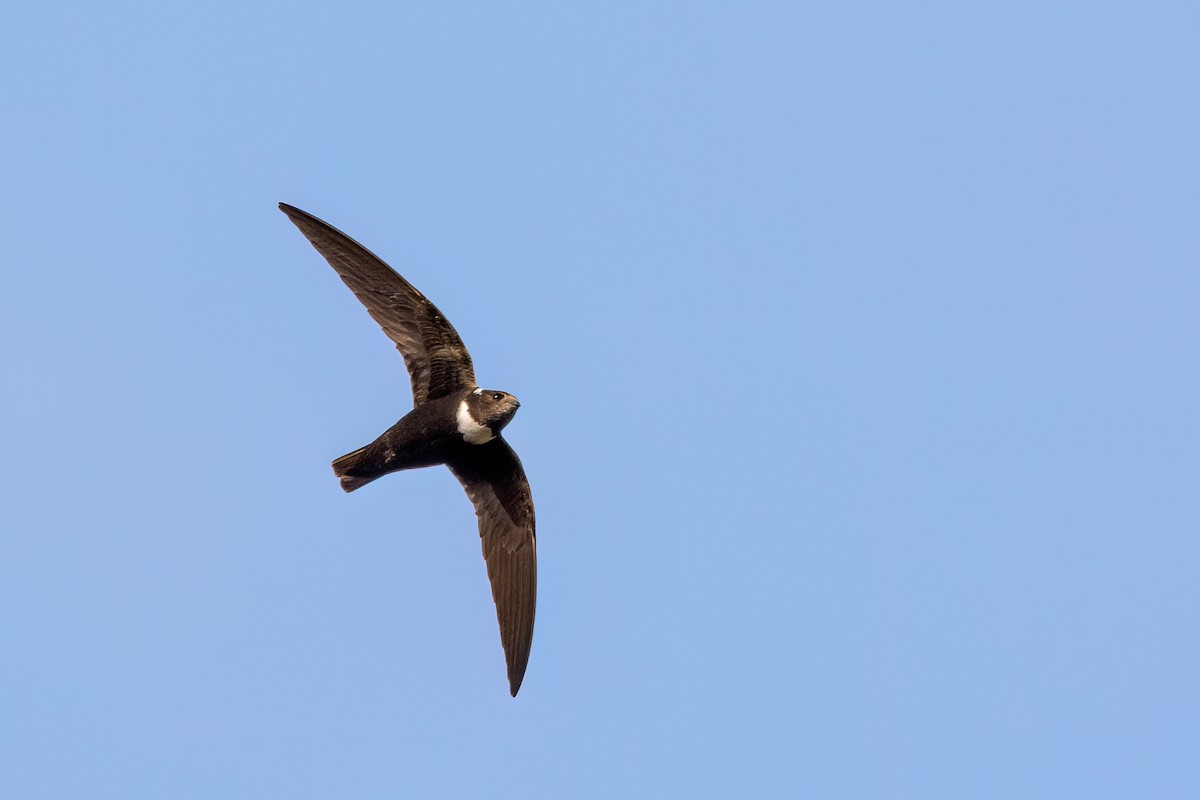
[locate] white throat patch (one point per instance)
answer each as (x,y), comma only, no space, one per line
(472,432)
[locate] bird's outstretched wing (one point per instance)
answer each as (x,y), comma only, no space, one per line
(437,360)
(495,482)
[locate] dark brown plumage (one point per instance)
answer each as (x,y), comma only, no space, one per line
(437,360)
(453,422)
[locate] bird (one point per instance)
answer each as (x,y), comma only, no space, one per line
(453,422)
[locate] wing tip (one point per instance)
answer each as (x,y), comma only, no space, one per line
(516,671)
(292,211)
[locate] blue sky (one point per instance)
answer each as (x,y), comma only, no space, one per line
(857,347)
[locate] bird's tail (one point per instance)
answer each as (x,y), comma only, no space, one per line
(350,471)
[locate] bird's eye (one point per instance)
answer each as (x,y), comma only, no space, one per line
(497,396)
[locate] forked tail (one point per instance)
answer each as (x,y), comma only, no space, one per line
(351,472)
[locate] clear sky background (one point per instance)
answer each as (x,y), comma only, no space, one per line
(857,345)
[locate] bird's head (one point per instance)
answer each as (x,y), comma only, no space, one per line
(486,408)
(493,408)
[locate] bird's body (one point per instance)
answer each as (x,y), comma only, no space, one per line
(441,431)
(453,422)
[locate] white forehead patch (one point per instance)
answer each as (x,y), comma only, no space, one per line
(472,432)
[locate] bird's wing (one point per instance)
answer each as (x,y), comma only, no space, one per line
(495,482)
(437,360)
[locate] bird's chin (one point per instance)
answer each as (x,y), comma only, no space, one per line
(497,425)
